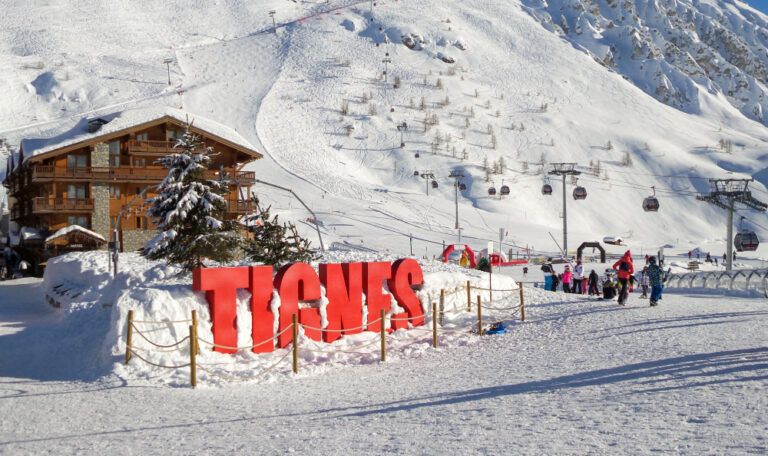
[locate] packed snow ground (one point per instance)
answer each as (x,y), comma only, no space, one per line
(579,376)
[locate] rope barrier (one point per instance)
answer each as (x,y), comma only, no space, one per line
(149,322)
(159,365)
(341,330)
(246,347)
(132,347)
(229,377)
(502,308)
(493,289)
(407,318)
(377,340)
(157,345)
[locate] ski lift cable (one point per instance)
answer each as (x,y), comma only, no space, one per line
(669,192)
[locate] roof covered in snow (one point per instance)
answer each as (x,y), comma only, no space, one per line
(117,123)
(74,228)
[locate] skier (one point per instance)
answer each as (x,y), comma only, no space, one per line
(546,268)
(647,257)
(626,269)
(578,277)
(555,280)
(609,285)
(655,277)
(567,279)
(689,254)
(644,281)
(593,291)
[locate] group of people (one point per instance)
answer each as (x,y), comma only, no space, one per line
(617,281)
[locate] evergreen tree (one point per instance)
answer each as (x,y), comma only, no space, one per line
(189,210)
(274,243)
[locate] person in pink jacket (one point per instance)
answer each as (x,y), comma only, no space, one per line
(567,279)
(625,269)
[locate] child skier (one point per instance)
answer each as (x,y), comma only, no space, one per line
(644,280)
(567,279)
(655,277)
(626,269)
(593,278)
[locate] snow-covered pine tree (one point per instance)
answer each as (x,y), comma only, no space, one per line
(274,243)
(189,210)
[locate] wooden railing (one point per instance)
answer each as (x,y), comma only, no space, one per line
(239,207)
(43,204)
(136,147)
(123,173)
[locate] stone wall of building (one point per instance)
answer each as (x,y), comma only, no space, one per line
(135,239)
(100,193)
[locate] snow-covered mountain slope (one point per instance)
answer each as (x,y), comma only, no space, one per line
(313,97)
(672,49)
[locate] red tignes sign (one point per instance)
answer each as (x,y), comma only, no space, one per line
(344,284)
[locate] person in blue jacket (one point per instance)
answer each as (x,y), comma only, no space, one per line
(656,279)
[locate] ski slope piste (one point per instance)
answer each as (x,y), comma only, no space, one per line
(344,285)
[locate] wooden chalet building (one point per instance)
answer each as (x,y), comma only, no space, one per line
(88,175)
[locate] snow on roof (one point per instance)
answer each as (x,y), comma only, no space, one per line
(69,229)
(128,119)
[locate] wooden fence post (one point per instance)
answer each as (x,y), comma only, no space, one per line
(192,360)
(194,324)
(469,297)
(129,337)
(383,337)
(434,325)
(442,306)
(295,344)
(479,316)
(522,303)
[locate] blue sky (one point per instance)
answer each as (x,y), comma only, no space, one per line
(762,5)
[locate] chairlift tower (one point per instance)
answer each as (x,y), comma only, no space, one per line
(168,62)
(274,24)
(725,194)
(402,128)
(456,175)
(428,176)
(564,169)
(386,61)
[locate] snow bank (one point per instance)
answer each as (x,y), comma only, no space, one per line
(82,284)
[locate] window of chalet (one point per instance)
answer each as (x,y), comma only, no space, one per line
(75,191)
(174,135)
(141,223)
(140,162)
(77,161)
(114,191)
(78,220)
(142,137)
(114,154)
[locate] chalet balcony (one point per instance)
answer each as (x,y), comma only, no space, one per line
(239,207)
(48,173)
(42,205)
(149,148)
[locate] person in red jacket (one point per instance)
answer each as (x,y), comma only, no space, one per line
(625,269)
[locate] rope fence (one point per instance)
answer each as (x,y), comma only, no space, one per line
(191,343)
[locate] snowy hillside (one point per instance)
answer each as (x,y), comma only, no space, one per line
(672,49)
(479,82)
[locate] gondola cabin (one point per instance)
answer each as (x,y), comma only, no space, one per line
(462,186)
(492,191)
(505,189)
(415,173)
(746,241)
(434,184)
(651,204)
(546,189)
(579,193)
